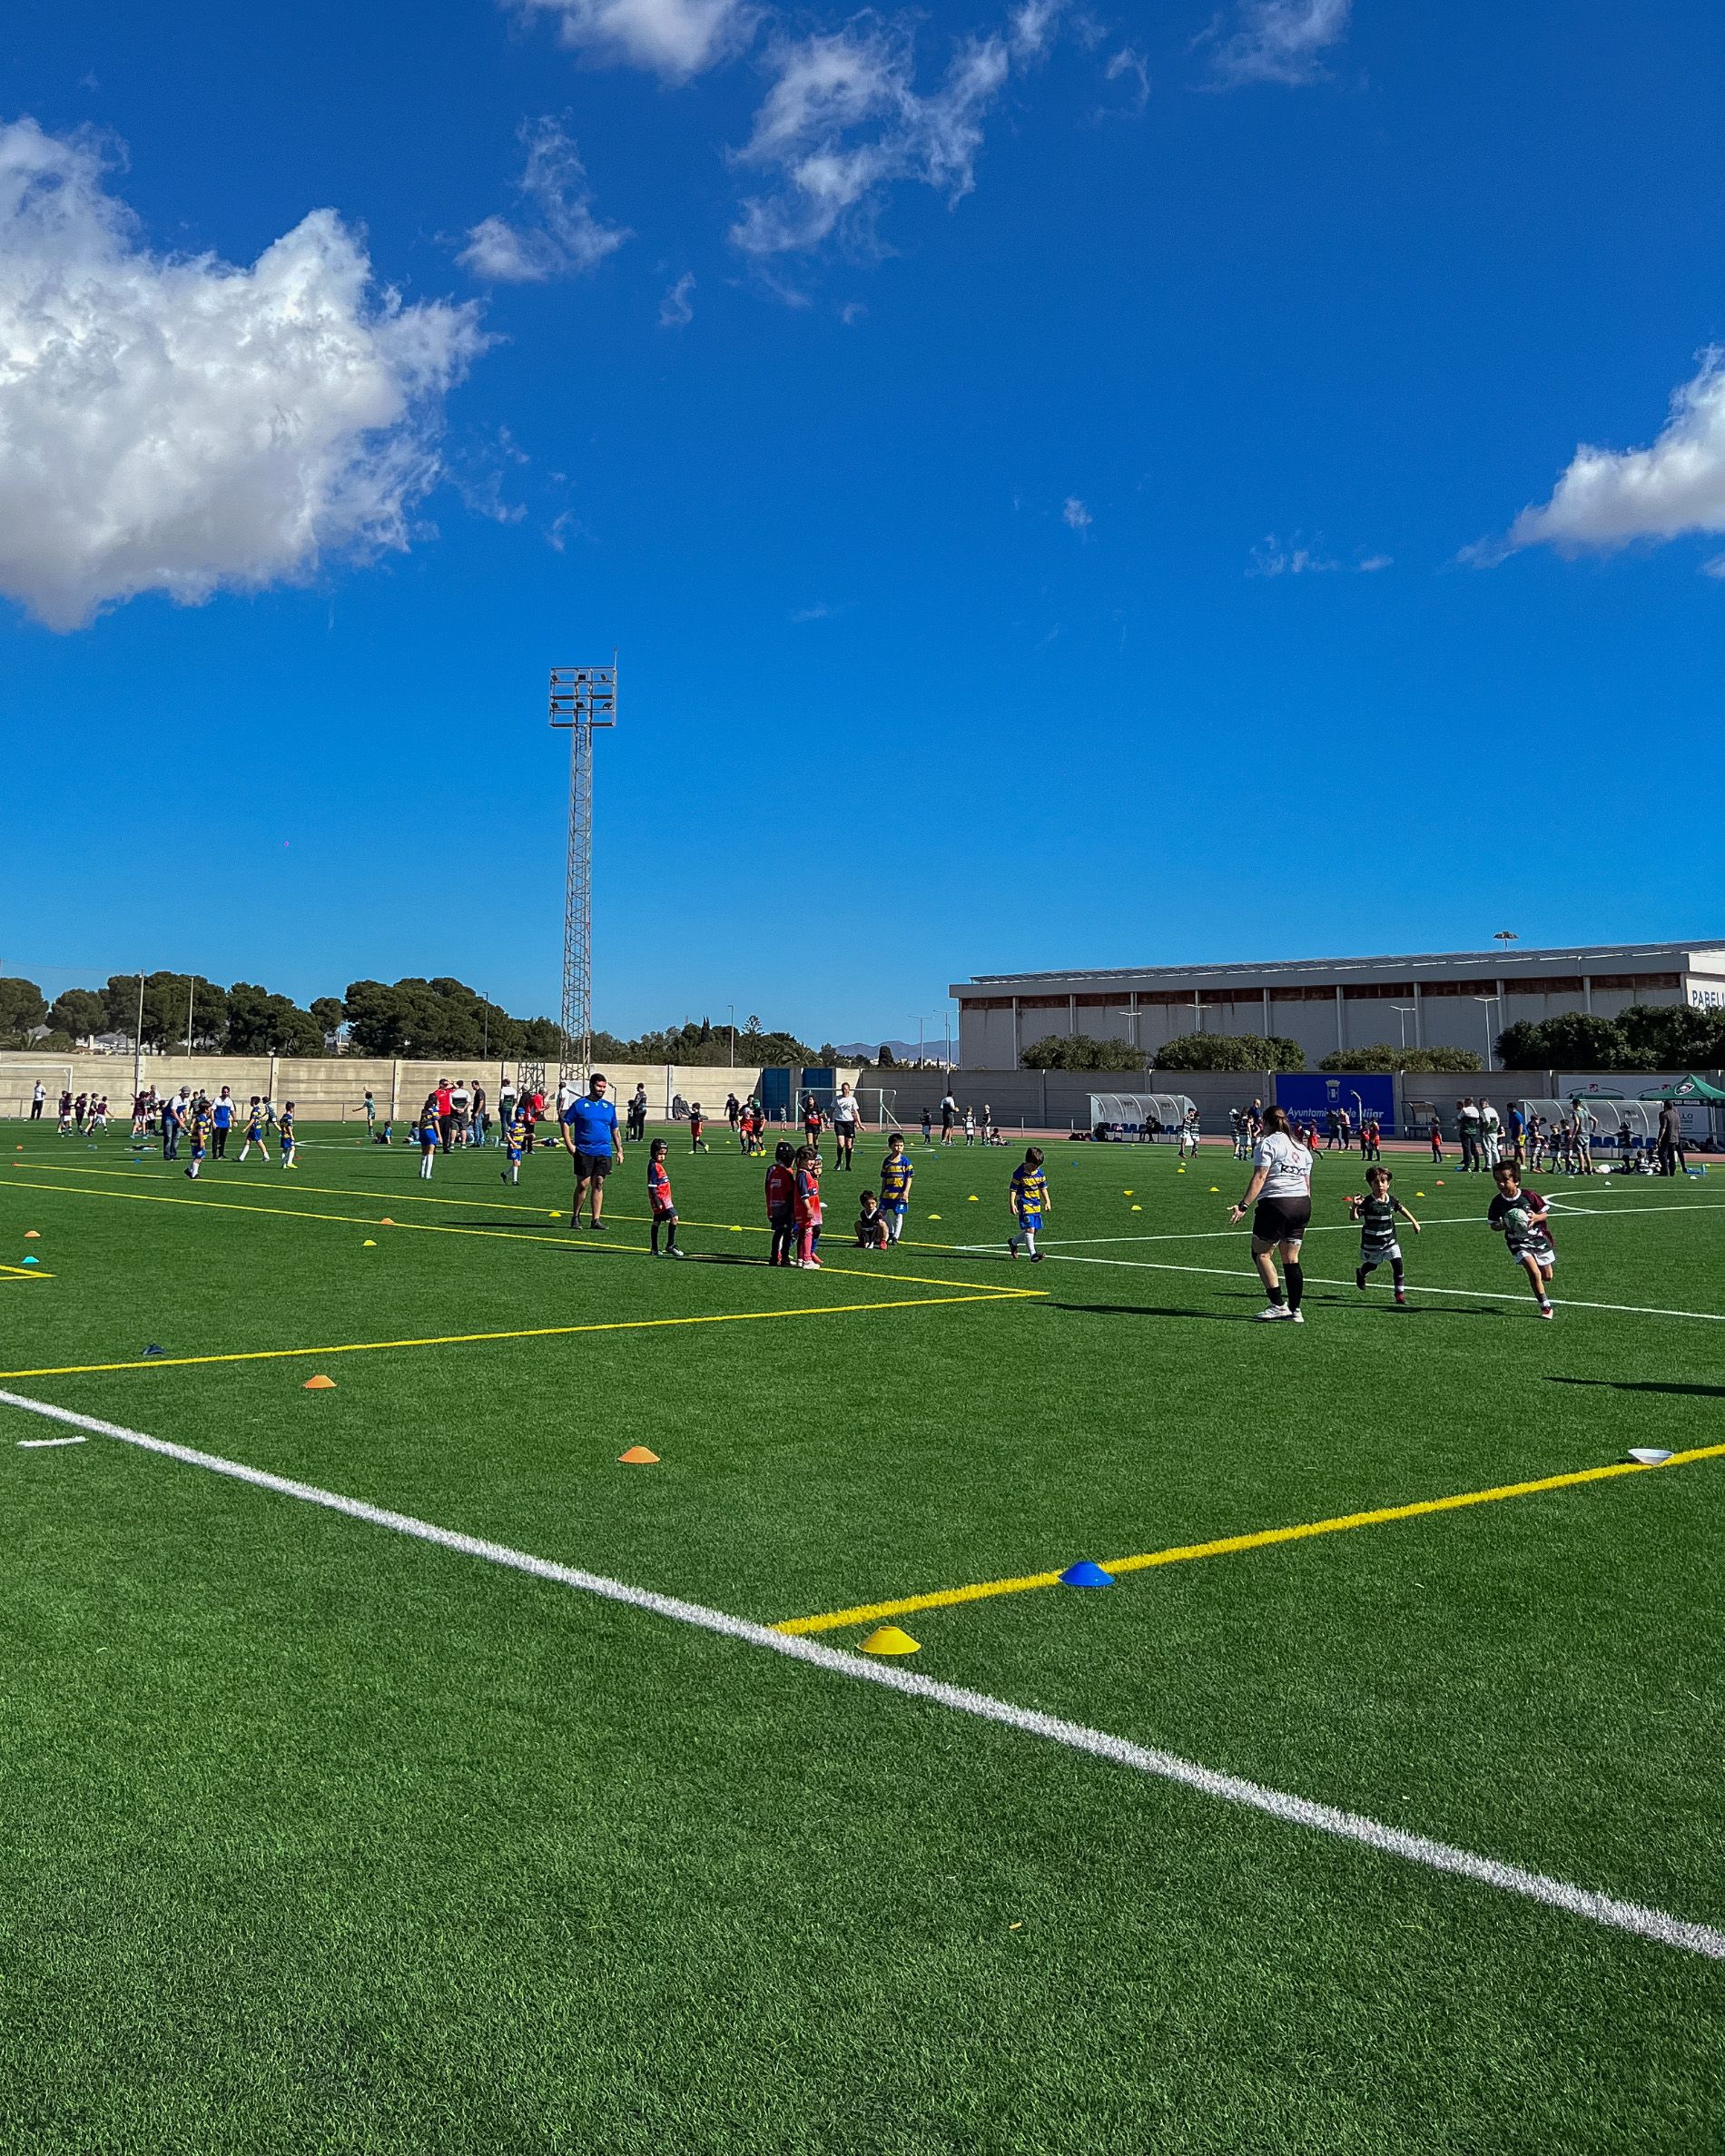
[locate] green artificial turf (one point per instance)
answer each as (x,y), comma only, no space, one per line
(320,1838)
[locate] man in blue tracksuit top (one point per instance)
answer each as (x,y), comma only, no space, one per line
(590,1138)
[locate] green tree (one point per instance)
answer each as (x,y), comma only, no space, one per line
(885,1059)
(1079,1051)
(22,1008)
(1381,1056)
(327,1010)
(1674,1035)
(1573,1040)
(79,1013)
(1231,1051)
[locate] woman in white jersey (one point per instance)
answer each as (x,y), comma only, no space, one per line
(845,1115)
(1281,1190)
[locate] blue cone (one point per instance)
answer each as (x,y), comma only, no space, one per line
(1086,1574)
(152,1349)
(33,1261)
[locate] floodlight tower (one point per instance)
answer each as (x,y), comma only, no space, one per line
(582,698)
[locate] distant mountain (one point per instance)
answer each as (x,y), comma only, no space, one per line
(903,1051)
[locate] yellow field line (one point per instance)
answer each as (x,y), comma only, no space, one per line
(626,1324)
(575,1240)
(871,1612)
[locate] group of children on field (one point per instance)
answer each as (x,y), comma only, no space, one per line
(1517,1214)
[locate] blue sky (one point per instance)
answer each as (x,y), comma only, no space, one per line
(1070,486)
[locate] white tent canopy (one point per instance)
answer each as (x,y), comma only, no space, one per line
(1140,1115)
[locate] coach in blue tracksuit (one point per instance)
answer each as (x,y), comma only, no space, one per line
(590,1138)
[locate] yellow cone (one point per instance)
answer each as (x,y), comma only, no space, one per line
(637,1456)
(319,1385)
(887,1639)
(1137,1209)
(369,1243)
(934,1215)
(1216,1190)
(971,1199)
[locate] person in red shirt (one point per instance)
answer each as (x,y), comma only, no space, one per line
(446,1114)
(780,1205)
(663,1204)
(808,1208)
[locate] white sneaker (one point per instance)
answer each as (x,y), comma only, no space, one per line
(1298,1317)
(1273,1310)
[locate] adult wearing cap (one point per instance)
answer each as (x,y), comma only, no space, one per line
(590,1138)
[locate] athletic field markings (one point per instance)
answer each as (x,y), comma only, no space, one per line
(1230,1545)
(621,1324)
(1634,1917)
(574,1240)
(1492,1295)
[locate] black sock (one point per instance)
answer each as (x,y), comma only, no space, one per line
(1296,1285)
(1275,1298)
(656,1238)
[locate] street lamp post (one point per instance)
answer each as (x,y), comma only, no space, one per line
(1488,1001)
(921,1022)
(732,1008)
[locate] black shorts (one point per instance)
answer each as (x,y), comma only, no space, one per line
(1281,1219)
(592,1168)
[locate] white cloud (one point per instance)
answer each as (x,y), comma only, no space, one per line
(1609,498)
(1129,65)
(565,237)
(180,424)
(1032,27)
(675,310)
(675,38)
(1281,41)
(843,122)
(1275,558)
(1075,515)
(1368,564)
(1714,566)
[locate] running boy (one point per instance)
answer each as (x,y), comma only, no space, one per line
(660,1201)
(1377,1213)
(1522,1218)
(199,1125)
(514,1136)
(780,1205)
(1029,1201)
(896,1172)
(871,1223)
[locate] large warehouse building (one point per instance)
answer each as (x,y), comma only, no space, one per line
(1444,999)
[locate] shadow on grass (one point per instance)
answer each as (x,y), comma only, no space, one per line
(1641,1385)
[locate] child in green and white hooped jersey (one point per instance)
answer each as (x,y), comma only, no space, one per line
(1377,1213)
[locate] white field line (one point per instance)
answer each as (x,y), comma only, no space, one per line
(1490,1294)
(1345,1228)
(1634,1917)
(36,1445)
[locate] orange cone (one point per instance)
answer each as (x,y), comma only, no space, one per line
(385,1222)
(637,1456)
(32,1235)
(319,1385)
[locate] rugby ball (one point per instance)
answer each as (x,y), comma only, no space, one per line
(1515,1221)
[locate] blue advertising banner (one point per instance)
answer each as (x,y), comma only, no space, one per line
(1311,1097)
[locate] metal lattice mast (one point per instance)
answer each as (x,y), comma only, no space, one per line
(582,698)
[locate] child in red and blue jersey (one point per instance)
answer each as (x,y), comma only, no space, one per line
(808,1208)
(780,1205)
(659,1198)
